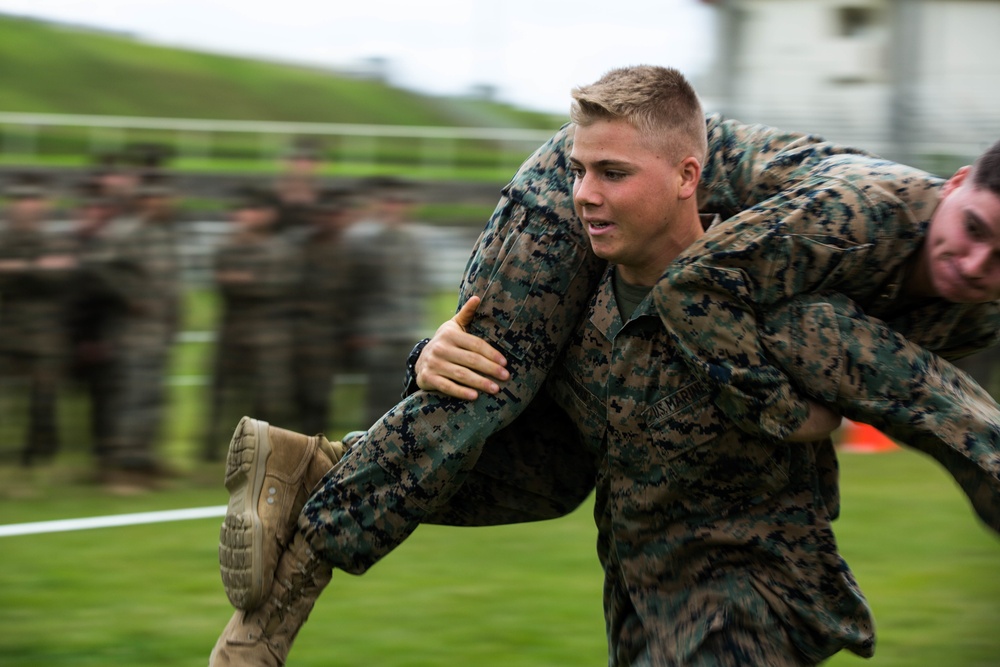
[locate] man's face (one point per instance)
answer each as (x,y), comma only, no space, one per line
(28,210)
(254,218)
(962,252)
(302,166)
(119,183)
(628,196)
(93,217)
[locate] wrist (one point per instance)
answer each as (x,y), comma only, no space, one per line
(410,382)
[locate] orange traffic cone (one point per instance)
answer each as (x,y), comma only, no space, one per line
(857,437)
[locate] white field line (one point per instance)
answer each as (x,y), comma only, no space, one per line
(112,521)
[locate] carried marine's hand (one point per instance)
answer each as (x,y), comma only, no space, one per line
(458,363)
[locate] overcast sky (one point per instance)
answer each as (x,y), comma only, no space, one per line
(532,51)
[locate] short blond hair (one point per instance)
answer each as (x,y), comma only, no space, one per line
(657,101)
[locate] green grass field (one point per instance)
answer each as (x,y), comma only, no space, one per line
(519,595)
(527,595)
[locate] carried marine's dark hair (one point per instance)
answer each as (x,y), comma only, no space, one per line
(986,170)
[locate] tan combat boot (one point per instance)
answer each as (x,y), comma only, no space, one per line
(270,473)
(263,637)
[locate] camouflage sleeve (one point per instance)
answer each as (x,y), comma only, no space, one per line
(123,272)
(875,375)
(30,277)
(749,163)
(976,339)
(272,268)
(819,237)
(951,330)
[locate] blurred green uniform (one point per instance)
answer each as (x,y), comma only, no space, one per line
(32,337)
(325,302)
(391,276)
(145,270)
(253,358)
(94,312)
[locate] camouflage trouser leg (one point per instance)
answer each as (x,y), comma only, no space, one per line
(313,379)
(742,631)
(43,432)
(535,275)
(140,399)
(100,383)
(272,382)
(874,375)
(764,642)
(532,470)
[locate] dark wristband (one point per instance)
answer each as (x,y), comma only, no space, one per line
(410,382)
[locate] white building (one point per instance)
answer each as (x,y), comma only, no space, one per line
(914,80)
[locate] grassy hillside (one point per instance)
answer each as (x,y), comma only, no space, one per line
(58,69)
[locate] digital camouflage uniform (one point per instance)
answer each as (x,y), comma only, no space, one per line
(145,270)
(825,262)
(94,312)
(533,267)
(324,304)
(702,529)
(253,353)
(297,195)
(391,278)
(32,339)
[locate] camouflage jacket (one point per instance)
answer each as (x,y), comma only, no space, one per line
(325,299)
(31,297)
(697,520)
(256,311)
(145,271)
(851,226)
(392,283)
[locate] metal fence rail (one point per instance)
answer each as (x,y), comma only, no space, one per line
(193,135)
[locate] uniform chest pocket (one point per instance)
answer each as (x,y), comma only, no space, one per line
(707,466)
(819,262)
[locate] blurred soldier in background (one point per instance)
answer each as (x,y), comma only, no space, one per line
(118,174)
(298,188)
(146,272)
(391,278)
(93,311)
(116,182)
(34,268)
(255,271)
(324,304)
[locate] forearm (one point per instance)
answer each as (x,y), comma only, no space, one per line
(819,236)
(875,375)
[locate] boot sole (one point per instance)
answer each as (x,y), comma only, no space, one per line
(241,536)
